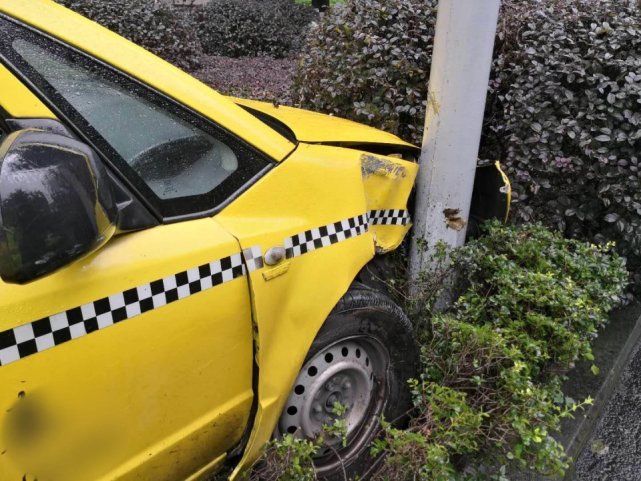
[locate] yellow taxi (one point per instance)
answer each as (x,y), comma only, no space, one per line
(183,273)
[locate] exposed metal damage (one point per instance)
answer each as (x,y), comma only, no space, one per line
(453,219)
(376,165)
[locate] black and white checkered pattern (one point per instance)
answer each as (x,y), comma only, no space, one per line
(51,331)
(326,235)
(254,258)
(389,217)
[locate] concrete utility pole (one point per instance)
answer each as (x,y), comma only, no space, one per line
(461,62)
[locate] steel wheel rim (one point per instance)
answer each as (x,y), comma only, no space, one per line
(353,372)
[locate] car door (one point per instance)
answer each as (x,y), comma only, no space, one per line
(134,362)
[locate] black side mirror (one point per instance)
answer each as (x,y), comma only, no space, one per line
(55,204)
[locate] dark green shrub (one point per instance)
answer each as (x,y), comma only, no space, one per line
(237,28)
(368,60)
(564,116)
(563,112)
(489,393)
(166,32)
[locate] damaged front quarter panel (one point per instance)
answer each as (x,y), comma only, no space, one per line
(388,182)
(307,199)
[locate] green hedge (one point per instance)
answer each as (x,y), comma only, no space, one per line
(562,114)
(367,60)
(168,33)
(237,28)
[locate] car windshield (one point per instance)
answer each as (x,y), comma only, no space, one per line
(173,157)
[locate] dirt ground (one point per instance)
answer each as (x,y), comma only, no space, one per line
(260,78)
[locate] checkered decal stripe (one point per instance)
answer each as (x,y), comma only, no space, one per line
(325,236)
(54,330)
(57,329)
(253,258)
(389,217)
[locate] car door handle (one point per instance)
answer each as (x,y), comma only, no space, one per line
(275,255)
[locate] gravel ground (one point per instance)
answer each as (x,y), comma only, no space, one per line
(614,452)
(260,78)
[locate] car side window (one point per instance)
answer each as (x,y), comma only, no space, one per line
(180,161)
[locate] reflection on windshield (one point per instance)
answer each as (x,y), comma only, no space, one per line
(175,158)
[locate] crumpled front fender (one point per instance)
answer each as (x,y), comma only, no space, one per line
(388,182)
(313,193)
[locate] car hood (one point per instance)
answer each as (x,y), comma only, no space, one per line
(316,128)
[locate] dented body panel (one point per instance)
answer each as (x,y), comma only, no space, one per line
(491,197)
(388,182)
(316,187)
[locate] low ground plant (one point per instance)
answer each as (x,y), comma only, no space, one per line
(489,397)
(290,458)
(287,459)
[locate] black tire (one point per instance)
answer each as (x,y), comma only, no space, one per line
(369,318)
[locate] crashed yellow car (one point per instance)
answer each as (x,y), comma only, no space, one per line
(183,273)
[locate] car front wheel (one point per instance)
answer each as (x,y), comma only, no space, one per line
(356,371)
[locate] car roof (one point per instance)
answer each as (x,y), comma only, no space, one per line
(85,35)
